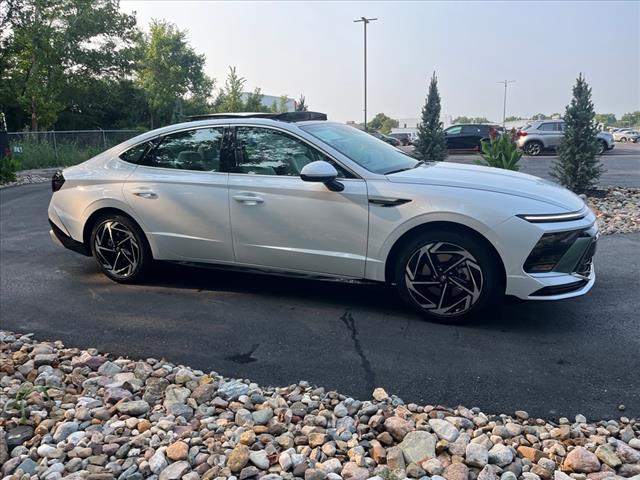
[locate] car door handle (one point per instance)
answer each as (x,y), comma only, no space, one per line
(143,193)
(248,199)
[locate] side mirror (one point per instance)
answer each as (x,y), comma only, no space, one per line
(322,172)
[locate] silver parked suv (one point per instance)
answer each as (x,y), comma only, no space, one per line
(543,135)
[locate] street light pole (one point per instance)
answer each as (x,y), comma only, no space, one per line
(504,107)
(365,21)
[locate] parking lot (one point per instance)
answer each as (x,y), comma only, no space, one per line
(622,164)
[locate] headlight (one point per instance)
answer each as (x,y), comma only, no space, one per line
(559,217)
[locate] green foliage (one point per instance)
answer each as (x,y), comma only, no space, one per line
(44,154)
(464,119)
(605,118)
(631,119)
(578,166)
(382,123)
(48,45)
(254,102)
(431,144)
(169,69)
(20,400)
(301,105)
(8,168)
(500,152)
(513,119)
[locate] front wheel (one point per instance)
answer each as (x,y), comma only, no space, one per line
(602,147)
(623,140)
(448,276)
(120,248)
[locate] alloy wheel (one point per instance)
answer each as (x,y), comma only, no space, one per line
(444,279)
(533,149)
(117,249)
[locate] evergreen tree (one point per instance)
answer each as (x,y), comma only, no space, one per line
(431,144)
(578,167)
(301,105)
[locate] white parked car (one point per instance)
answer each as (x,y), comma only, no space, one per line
(626,135)
(297,195)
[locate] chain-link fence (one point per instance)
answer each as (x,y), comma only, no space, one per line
(63,148)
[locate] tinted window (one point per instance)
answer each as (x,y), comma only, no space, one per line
(189,150)
(471,129)
(453,130)
(549,127)
(134,154)
(263,151)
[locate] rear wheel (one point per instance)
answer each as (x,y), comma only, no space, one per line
(448,276)
(120,248)
(533,148)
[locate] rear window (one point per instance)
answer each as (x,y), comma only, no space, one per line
(135,154)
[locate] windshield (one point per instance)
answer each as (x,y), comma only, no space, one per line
(364,149)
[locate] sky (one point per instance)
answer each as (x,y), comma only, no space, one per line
(315,49)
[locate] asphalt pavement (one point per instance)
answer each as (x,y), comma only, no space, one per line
(549,358)
(622,164)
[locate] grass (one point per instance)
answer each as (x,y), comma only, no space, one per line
(42,154)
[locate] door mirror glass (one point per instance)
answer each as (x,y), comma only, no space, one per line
(321,171)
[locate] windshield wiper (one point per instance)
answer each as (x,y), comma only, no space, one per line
(421,162)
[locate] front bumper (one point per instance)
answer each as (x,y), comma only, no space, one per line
(573,275)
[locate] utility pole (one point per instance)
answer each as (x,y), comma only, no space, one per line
(504,107)
(365,21)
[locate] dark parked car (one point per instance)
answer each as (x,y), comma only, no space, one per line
(468,137)
(403,138)
(386,138)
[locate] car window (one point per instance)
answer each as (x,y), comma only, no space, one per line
(197,149)
(365,150)
(134,154)
(453,130)
(471,129)
(265,151)
(550,127)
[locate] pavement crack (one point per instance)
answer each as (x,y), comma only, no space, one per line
(369,375)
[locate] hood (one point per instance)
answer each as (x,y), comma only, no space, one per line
(490,179)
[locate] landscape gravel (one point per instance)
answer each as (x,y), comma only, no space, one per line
(617,209)
(94,416)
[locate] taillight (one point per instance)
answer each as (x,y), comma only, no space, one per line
(57,181)
(522,133)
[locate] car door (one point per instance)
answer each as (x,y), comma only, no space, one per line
(280,221)
(550,133)
(470,137)
(181,196)
(453,138)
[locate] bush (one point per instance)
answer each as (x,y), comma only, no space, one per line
(8,168)
(500,152)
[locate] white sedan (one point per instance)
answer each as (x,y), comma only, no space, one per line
(294,194)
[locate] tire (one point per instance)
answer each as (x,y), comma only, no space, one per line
(450,260)
(623,140)
(602,147)
(120,248)
(533,148)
